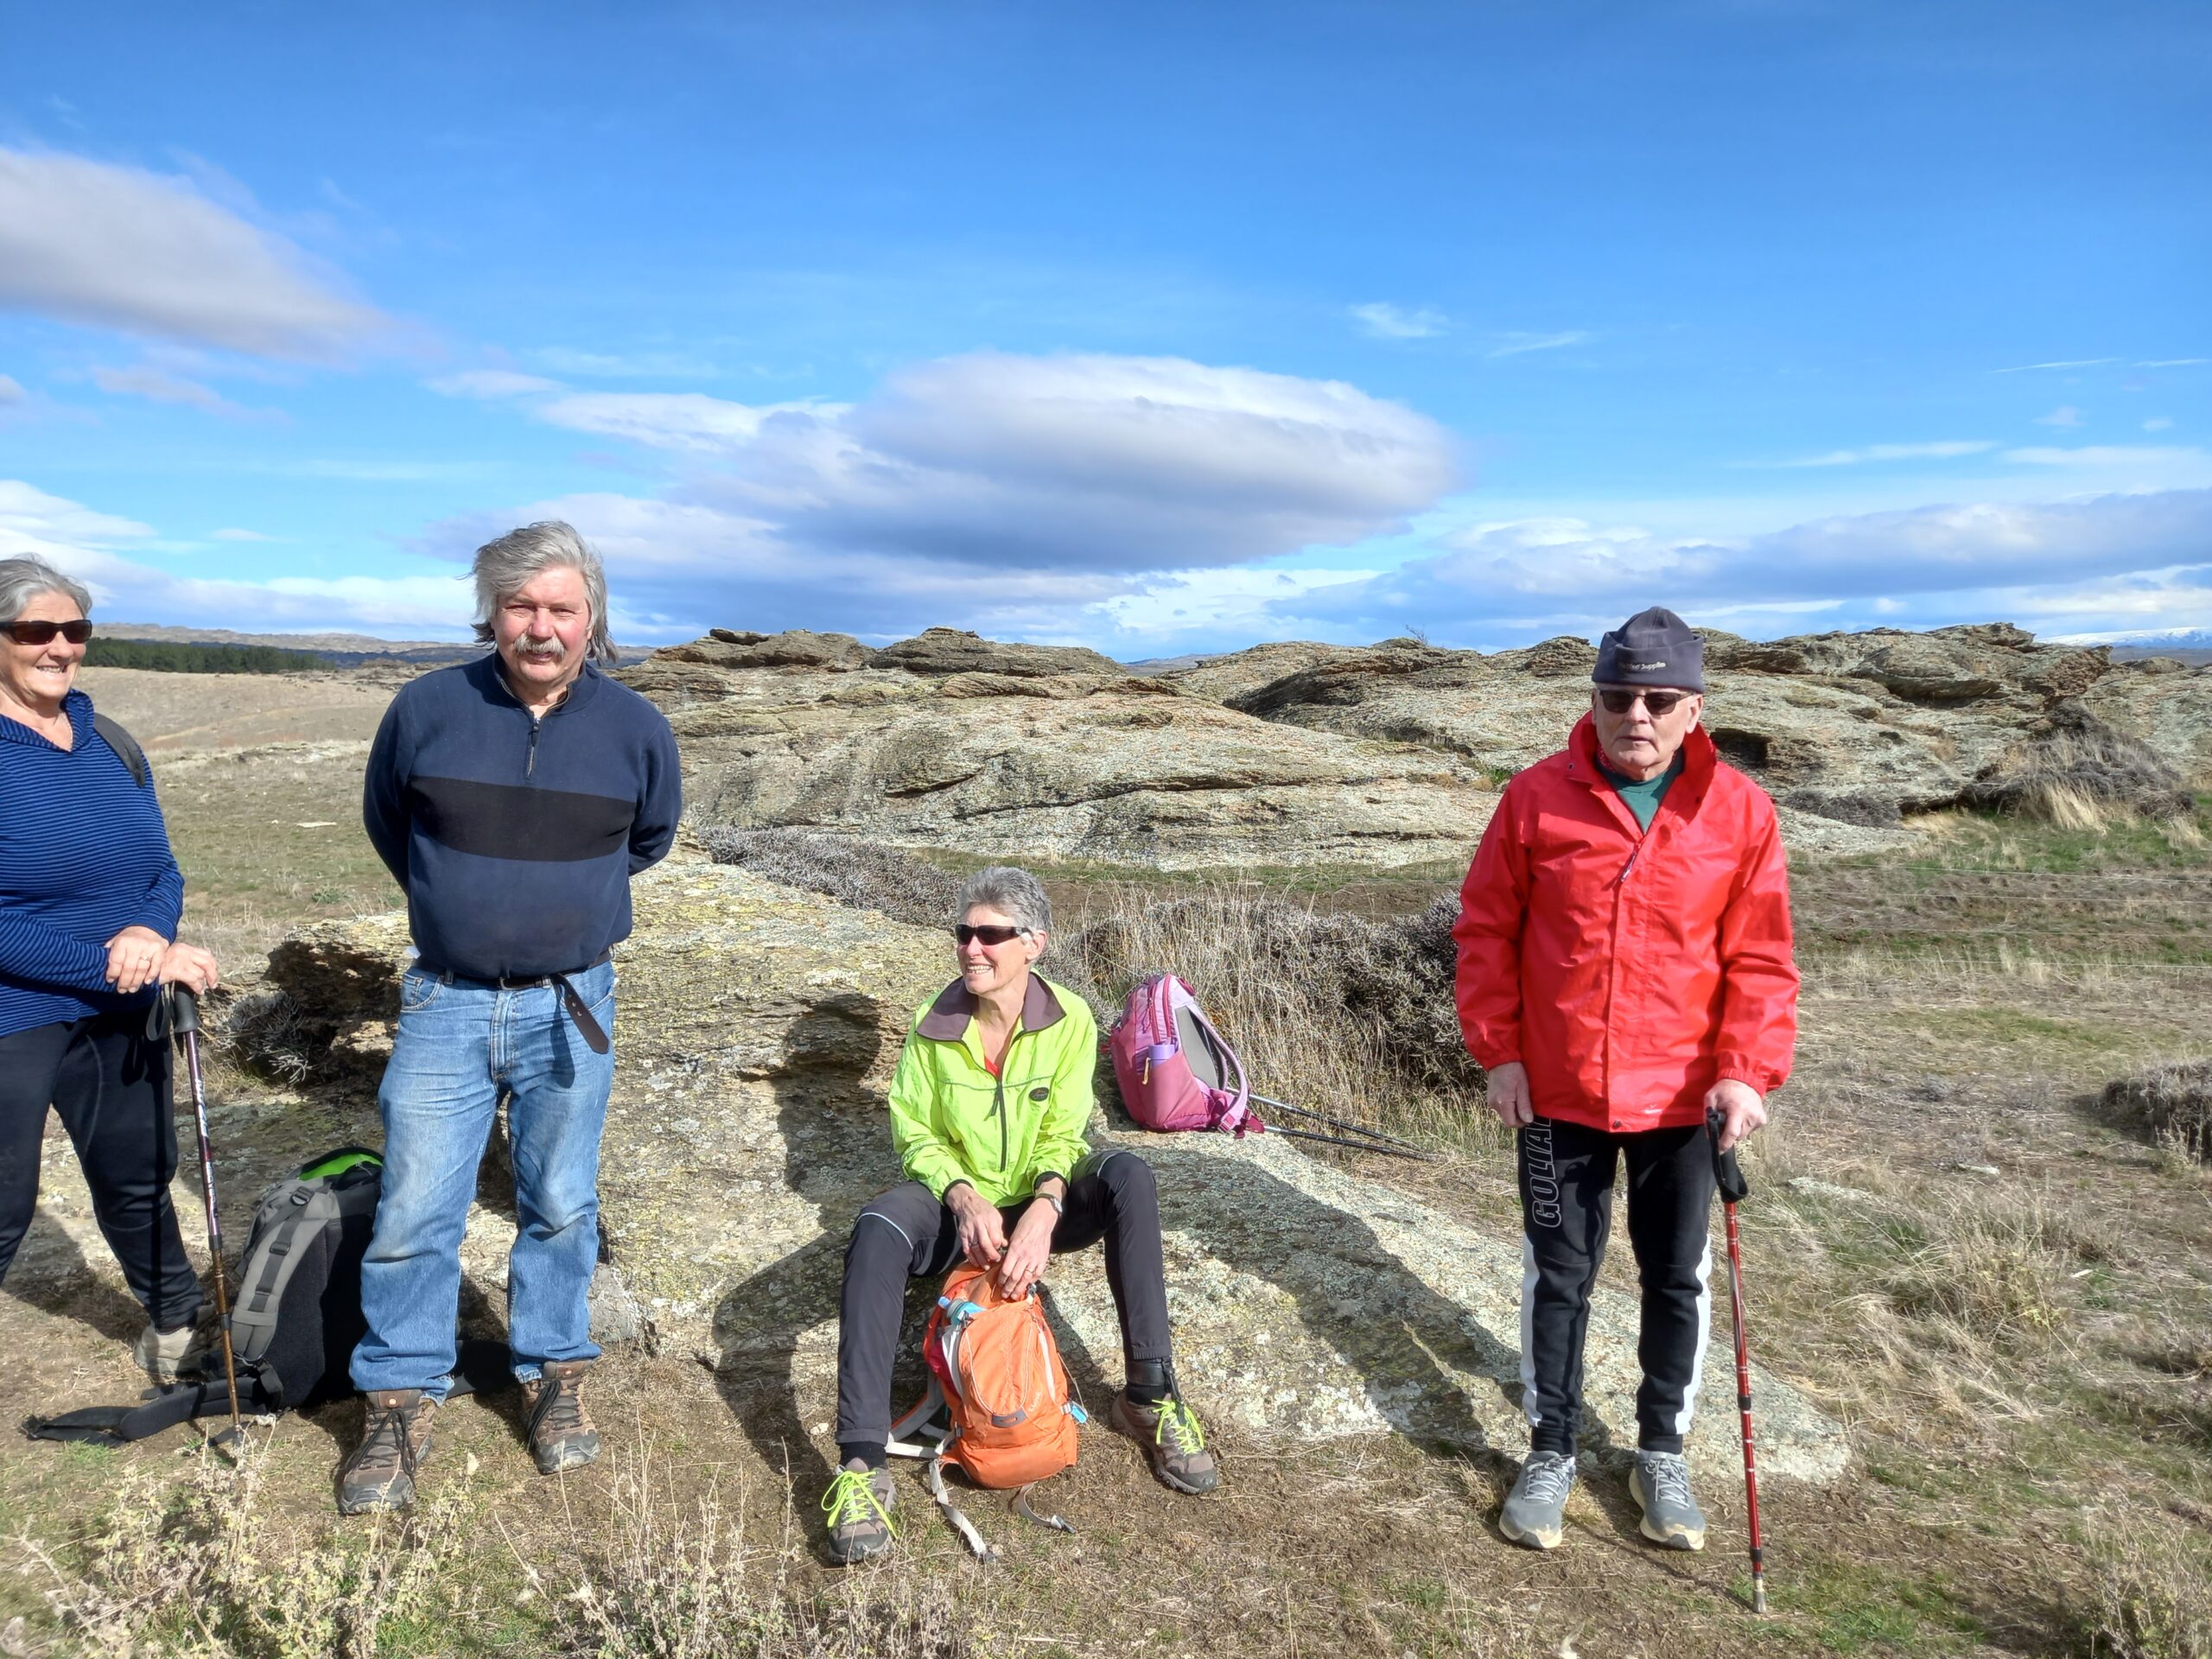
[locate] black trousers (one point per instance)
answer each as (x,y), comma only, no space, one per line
(110,1084)
(906,1233)
(1566,1212)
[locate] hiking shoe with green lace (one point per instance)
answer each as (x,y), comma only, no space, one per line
(1660,1483)
(561,1433)
(858,1504)
(1170,1433)
(1535,1510)
(379,1474)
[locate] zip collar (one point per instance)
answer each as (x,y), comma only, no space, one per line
(486,675)
(952,1013)
(1700,759)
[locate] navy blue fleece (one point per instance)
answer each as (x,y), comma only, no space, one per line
(84,853)
(516,840)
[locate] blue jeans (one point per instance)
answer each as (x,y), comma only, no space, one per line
(461,1044)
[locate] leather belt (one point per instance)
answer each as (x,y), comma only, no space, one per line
(594,1033)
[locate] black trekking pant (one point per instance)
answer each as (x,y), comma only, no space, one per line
(109,1084)
(905,1234)
(1566,1212)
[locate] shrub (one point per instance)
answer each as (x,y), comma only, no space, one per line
(2153,1590)
(2078,772)
(2172,1103)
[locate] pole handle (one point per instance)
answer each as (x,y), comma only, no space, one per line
(1727,1173)
(184,1009)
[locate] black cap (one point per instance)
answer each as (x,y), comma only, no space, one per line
(1653,647)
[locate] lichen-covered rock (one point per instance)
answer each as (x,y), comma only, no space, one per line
(956,650)
(756,1026)
(1078,764)
(2164,704)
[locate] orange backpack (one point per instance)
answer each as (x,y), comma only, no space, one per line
(1013,1416)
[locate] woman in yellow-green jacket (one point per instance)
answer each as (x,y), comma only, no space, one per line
(989,1106)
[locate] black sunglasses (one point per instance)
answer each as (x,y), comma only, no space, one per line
(989,933)
(1660,704)
(41,633)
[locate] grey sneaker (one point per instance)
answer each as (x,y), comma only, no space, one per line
(166,1355)
(561,1432)
(1660,1483)
(858,1504)
(1535,1510)
(1170,1433)
(395,1442)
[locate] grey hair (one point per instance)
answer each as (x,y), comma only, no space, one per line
(506,566)
(23,578)
(1012,892)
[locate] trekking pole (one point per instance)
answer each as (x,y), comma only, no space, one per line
(1345,1145)
(1333,1122)
(1729,1176)
(184,1021)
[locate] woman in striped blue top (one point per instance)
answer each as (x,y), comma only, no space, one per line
(90,896)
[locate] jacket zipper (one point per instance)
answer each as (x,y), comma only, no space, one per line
(530,764)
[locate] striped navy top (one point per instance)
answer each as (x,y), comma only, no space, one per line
(84,853)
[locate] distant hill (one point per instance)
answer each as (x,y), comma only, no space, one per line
(337,649)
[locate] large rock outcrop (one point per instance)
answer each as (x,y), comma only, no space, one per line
(757,1024)
(1028,751)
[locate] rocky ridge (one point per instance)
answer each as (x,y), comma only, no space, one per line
(1299,753)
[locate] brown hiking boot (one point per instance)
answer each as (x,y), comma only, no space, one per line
(561,1434)
(1170,1433)
(379,1474)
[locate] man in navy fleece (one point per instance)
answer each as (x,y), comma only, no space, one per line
(512,798)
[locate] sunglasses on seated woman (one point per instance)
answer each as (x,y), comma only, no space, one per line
(1659,702)
(989,933)
(41,633)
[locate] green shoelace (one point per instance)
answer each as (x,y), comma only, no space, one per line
(1187,1435)
(850,1497)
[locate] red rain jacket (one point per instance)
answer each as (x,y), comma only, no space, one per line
(1628,970)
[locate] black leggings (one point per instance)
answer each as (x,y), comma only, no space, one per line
(906,1233)
(1566,1212)
(110,1084)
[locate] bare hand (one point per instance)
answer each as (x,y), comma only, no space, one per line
(191,966)
(983,1229)
(1028,1250)
(134,958)
(1743,1110)
(1508,1095)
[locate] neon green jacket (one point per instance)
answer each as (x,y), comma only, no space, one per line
(952,1121)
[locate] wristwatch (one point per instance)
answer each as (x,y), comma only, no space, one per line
(1059,1208)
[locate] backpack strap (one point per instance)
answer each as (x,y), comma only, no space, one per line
(120,1425)
(126,749)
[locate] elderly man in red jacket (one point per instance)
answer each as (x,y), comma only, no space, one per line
(1623,969)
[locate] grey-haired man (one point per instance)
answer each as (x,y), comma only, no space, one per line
(512,798)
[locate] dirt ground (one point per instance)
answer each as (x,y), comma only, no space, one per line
(2006,1298)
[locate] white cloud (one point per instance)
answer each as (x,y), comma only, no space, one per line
(234,535)
(151,254)
(2157,423)
(2064,415)
(686,421)
(159,386)
(2174,363)
(1874,452)
(664,366)
(1382,321)
(2108,454)
(2069,363)
(12,391)
(491,384)
(1513,344)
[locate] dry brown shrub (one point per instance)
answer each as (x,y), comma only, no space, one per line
(857,872)
(2079,774)
(2172,1103)
(1991,1274)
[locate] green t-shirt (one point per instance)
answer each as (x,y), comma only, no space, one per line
(1643,798)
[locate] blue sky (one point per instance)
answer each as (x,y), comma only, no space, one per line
(1155,327)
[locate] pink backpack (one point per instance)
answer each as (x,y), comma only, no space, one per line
(1172,1066)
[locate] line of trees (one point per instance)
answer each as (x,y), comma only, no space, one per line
(177,659)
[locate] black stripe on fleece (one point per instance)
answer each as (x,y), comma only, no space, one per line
(538,826)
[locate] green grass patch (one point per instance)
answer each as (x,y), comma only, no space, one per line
(1857,1608)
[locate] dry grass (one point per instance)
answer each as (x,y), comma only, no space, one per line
(2078,774)
(2153,1586)
(2173,1104)
(857,872)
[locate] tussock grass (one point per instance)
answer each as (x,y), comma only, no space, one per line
(2173,1104)
(2153,1590)
(857,872)
(2079,774)
(1989,1275)
(1333,1013)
